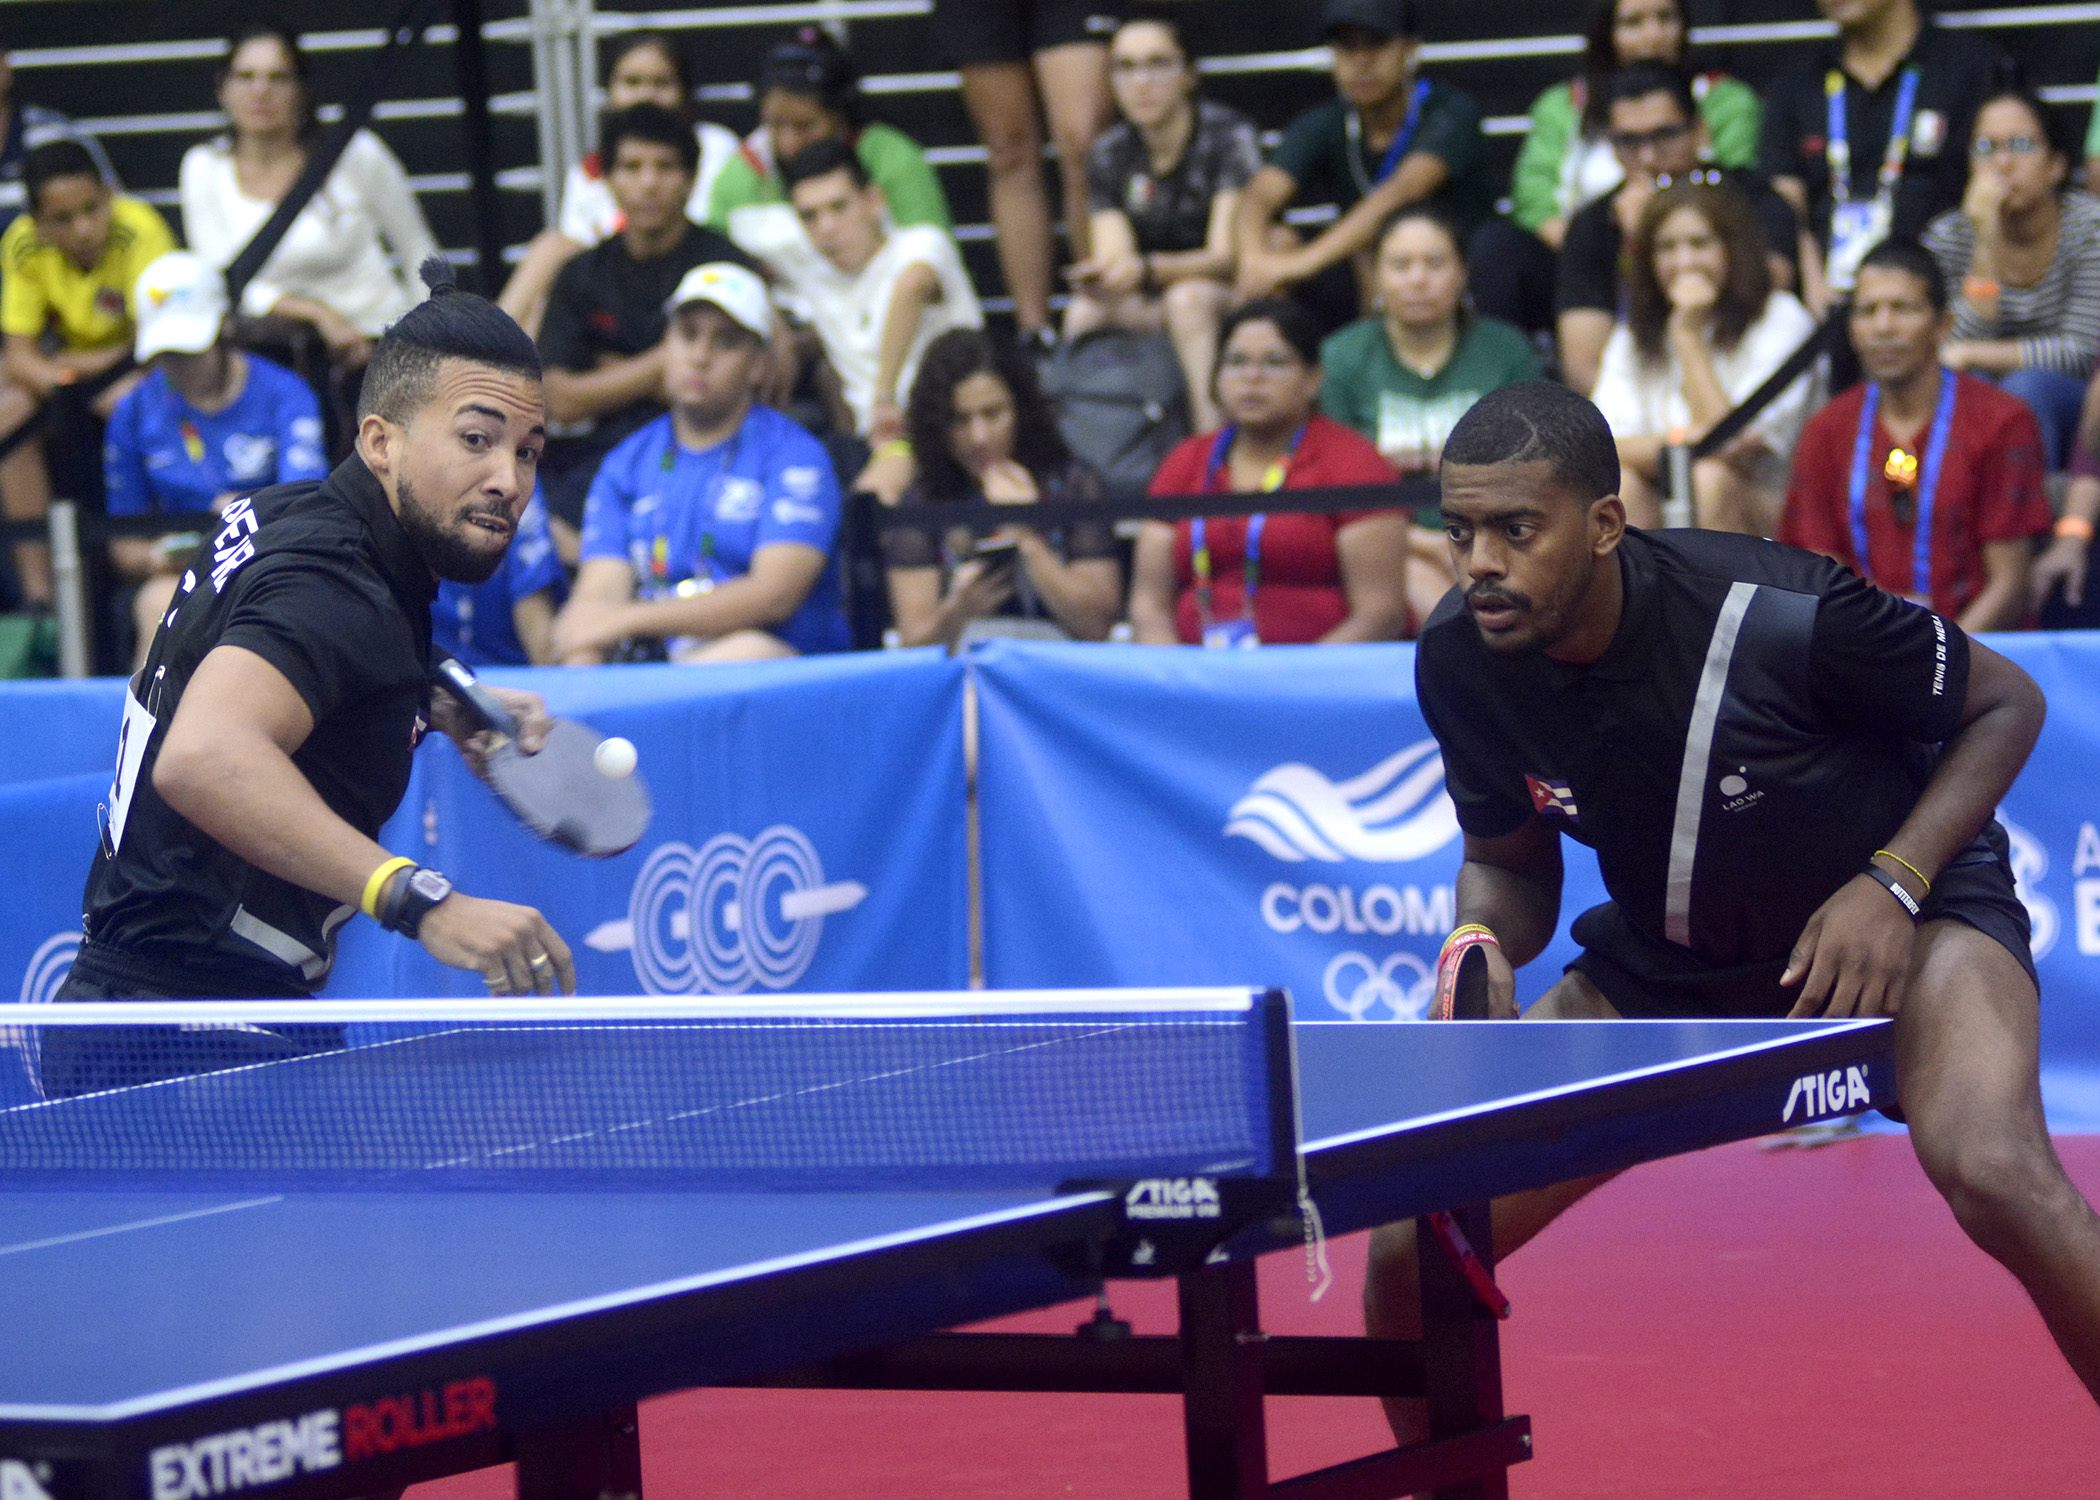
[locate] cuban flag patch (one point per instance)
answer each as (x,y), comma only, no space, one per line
(1551,796)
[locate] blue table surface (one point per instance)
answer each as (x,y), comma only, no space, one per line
(116,1298)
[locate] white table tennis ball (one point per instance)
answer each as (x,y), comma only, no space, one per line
(614,758)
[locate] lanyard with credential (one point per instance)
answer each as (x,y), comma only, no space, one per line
(1199,545)
(1901,469)
(1353,124)
(1838,147)
(660,556)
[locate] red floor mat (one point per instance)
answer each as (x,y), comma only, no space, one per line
(1737,1324)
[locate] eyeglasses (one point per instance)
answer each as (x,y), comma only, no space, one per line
(1143,67)
(2013,145)
(1264,364)
(1633,142)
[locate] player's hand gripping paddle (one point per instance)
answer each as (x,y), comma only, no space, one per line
(1462,978)
(571,792)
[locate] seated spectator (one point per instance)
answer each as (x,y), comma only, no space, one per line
(1163,184)
(1703,329)
(1292,578)
(1658,139)
(1927,481)
(808,92)
(2058,579)
(207,423)
(603,341)
(65,308)
(876,295)
(509,620)
(642,67)
(23,128)
(1568,161)
(1025,63)
(984,436)
(331,270)
(2025,254)
(709,532)
(1905,80)
(1391,139)
(1405,377)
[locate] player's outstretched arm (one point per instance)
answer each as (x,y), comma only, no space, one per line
(1511,886)
(226,765)
(1854,954)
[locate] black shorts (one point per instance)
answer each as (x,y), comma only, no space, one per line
(1649,980)
(1013,31)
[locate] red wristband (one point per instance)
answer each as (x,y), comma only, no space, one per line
(1447,966)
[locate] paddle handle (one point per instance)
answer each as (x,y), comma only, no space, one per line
(480,704)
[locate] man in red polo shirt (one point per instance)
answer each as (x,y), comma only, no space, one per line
(1925,481)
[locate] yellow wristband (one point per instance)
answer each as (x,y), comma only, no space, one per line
(378,881)
(894,448)
(1486,933)
(1899,859)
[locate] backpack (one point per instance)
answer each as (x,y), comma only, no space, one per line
(1120,402)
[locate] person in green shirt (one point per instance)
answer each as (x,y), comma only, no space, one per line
(1392,138)
(808,92)
(1404,376)
(1567,160)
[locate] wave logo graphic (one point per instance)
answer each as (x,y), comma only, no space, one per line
(2030,862)
(1403,984)
(47,970)
(734,913)
(1393,813)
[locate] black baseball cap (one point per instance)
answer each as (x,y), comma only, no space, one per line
(1382,17)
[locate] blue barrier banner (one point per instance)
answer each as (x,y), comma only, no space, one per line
(50,729)
(809,835)
(1233,817)
(47,827)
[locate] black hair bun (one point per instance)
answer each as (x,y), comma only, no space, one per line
(438,275)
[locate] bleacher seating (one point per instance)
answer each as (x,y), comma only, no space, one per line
(140,75)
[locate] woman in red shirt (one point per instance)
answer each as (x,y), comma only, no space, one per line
(1309,578)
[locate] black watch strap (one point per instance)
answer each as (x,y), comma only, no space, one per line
(409,897)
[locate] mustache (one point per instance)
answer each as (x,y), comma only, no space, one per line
(495,510)
(1482,594)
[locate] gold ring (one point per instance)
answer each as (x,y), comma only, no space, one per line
(541,962)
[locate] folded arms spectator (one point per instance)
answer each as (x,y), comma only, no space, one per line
(1703,329)
(1925,480)
(2025,256)
(1658,137)
(1390,139)
(1288,578)
(66,272)
(209,422)
(709,533)
(1163,186)
(642,67)
(331,270)
(983,436)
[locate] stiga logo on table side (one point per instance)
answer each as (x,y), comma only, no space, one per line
(1172,1198)
(248,1457)
(1841,1091)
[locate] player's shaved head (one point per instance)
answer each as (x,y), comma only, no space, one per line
(1540,422)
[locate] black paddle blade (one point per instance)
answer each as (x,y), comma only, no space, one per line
(1469,996)
(559,793)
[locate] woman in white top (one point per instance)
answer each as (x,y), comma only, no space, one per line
(643,67)
(1703,329)
(332,269)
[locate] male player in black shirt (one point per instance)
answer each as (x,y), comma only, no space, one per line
(269,734)
(1789,778)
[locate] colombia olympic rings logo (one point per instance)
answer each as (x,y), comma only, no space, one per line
(734,913)
(1354,984)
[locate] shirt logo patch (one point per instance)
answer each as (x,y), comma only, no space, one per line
(110,303)
(800,480)
(789,513)
(739,500)
(250,457)
(1551,796)
(1735,790)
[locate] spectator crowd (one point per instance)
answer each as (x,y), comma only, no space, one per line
(738,334)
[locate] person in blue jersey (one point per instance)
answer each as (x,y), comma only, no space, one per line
(509,620)
(708,534)
(208,423)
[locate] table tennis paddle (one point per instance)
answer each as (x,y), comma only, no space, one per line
(560,793)
(1463,996)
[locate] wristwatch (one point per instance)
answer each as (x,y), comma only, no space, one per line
(410,899)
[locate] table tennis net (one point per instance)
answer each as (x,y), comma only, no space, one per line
(772,1101)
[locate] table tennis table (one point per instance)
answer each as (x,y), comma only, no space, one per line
(177,1331)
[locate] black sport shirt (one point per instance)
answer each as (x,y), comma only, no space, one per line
(1761,723)
(320,581)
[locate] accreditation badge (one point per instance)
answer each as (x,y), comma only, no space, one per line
(1855,228)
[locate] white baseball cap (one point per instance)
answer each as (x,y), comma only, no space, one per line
(738,292)
(180,304)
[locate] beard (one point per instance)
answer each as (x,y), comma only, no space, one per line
(451,556)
